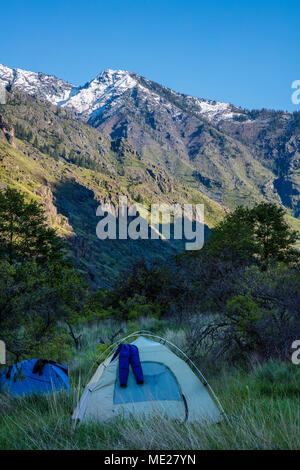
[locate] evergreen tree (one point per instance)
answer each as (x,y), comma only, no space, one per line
(24,232)
(38,285)
(257,235)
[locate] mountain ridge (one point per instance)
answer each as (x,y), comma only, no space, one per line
(70,168)
(29,82)
(232,155)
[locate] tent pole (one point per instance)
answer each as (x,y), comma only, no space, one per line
(110,350)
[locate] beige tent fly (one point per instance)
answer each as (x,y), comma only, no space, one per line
(171,388)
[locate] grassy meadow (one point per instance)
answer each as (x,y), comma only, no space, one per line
(261,401)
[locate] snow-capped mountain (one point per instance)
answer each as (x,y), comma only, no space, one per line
(229,153)
(105,90)
(47,87)
(108,89)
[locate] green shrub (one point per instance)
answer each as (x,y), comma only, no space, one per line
(278,378)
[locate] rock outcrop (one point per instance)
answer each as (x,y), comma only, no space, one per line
(7,132)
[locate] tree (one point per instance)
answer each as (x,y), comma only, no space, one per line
(257,235)
(149,281)
(33,299)
(39,287)
(36,142)
(273,236)
(24,232)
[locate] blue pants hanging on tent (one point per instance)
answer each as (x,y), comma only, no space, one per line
(136,364)
(129,354)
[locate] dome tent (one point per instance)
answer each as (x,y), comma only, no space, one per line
(170,388)
(34,376)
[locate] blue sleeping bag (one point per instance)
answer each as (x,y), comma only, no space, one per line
(34,376)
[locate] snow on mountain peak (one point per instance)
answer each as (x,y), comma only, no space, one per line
(112,75)
(105,88)
(105,91)
(214,110)
(6,74)
(47,87)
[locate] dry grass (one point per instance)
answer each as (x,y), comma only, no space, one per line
(263,407)
(257,422)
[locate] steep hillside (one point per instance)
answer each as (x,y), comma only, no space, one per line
(70,167)
(230,154)
(274,140)
(123,134)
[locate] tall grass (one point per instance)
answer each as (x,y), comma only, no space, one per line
(263,407)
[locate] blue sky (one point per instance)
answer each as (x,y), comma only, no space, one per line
(242,51)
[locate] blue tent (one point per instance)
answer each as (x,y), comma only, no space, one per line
(34,376)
